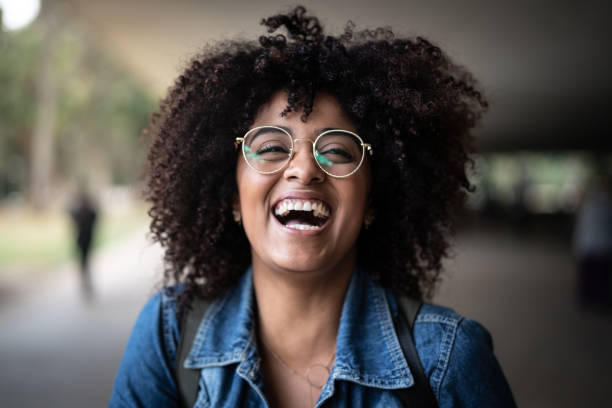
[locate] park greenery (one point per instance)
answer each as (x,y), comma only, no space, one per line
(92,108)
(70,119)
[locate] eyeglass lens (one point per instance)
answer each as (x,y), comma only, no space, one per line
(268,149)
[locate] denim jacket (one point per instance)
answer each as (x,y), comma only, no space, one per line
(456,354)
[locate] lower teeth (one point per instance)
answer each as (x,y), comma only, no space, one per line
(303,227)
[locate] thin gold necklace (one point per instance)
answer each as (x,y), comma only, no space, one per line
(311,374)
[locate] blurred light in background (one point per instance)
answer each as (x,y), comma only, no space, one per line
(539,182)
(17,14)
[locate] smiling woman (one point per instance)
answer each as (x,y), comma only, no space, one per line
(304,188)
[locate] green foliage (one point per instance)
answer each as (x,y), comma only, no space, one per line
(18,63)
(101,110)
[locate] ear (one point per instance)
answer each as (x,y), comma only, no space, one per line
(369,215)
(236,214)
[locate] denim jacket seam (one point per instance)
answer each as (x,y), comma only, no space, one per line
(195,357)
(167,311)
(384,314)
(247,368)
(437,318)
(237,355)
(203,399)
(446,347)
(244,357)
(369,381)
(215,308)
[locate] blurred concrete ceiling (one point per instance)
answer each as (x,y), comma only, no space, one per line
(545,65)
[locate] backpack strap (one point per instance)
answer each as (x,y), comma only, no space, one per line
(420,394)
(186,378)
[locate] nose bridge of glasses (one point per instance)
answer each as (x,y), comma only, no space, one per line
(301,139)
(307,151)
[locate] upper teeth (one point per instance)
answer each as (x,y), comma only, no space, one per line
(317,207)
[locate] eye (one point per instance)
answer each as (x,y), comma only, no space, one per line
(272,148)
(339,147)
(337,151)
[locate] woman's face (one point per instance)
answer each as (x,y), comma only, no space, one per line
(279,242)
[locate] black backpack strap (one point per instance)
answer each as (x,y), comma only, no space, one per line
(420,394)
(187,379)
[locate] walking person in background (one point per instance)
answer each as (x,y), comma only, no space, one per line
(84,215)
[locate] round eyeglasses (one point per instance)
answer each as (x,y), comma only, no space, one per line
(268,149)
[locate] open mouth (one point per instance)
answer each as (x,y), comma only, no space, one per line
(302,214)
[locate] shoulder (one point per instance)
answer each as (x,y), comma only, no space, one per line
(146,376)
(444,337)
(435,320)
(158,318)
(457,355)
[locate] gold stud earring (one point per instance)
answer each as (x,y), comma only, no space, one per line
(237,216)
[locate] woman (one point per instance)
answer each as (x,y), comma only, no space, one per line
(302,185)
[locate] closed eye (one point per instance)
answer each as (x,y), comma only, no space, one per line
(337,151)
(272,149)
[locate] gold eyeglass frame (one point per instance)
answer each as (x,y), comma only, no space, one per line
(364,147)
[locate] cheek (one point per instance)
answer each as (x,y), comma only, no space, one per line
(253,192)
(246,191)
(355,203)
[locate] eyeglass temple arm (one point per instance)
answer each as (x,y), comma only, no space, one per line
(368,147)
(238,141)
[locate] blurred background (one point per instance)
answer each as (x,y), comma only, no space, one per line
(79,79)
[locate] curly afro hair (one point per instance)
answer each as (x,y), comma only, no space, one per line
(405,97)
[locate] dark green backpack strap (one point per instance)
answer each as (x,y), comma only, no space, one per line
(421,394)
(187,379)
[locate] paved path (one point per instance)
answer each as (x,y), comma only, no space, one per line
(554,353)
(58,351)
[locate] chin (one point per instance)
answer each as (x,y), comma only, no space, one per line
(301,263)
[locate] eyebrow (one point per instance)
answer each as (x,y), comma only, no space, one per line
(318,131)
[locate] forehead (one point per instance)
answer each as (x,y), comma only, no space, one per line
(326,113)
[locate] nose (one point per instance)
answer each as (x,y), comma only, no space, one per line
(302,166)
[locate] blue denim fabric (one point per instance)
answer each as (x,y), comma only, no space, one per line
(456,354)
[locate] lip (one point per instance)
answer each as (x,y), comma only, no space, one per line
(303,195)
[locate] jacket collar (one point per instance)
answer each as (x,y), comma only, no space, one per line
(368,351)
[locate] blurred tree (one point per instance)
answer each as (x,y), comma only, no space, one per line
(68,113)
(41,146)
(18,61)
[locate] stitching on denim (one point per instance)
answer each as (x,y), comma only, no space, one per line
(446,346)
(253,386)
(213,310)
(223,359)
(203,400)
(246,367)
(389,333)
(244,354)
(369,381)
(166,314)
(436,318)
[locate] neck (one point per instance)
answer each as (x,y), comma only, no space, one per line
(299,312)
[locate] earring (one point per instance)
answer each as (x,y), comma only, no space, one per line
(368,220)
(237,216)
